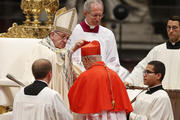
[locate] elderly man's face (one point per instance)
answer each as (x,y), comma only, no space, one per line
(59,39)
(96,13)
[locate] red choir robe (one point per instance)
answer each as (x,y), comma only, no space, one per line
(91,92)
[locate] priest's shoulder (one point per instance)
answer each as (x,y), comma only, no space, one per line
(159,47)
(161,94)
(77,28)
(105,29)
(51,93)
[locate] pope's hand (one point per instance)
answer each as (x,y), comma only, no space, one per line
(79,44)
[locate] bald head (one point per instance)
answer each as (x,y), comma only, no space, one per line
(41,68)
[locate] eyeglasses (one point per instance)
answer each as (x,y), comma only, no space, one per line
(172,27)
(62,36)
(96,15)
(148,72)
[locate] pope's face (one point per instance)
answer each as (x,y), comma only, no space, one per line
(96,13)
(59,39)
(173,30)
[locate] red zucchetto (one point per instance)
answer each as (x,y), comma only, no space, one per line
(91,48)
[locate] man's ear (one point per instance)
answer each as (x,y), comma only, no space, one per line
(49,76)
(159,75)
(87,59)
(85,13)
(51,34)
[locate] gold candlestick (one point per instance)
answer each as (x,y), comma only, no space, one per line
(50,7)
(25,6)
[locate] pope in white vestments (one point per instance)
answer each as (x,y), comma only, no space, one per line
(61,66)
(52,48)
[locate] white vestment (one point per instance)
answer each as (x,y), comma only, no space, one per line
(104,115)
(47,105)
(171,59)
(156,106)
(61,67)
(108,48)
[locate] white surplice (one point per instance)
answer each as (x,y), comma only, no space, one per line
(104,115)
(47,105)
(61,67)
(171,59)
(108,48)
(156,106)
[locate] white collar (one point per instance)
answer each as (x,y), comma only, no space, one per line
(91,27)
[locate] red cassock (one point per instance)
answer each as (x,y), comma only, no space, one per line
(91,92)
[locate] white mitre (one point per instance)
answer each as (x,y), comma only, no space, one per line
(65,21)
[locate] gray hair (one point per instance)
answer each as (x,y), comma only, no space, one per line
(89,2)
(94,58)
